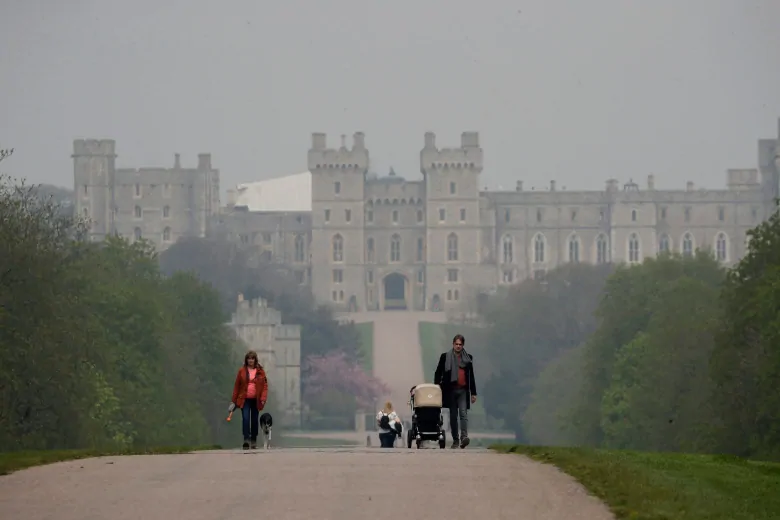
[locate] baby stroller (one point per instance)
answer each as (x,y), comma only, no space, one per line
(427,420)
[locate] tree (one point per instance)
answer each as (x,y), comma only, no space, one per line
(631,296)
(532,325)
(746,360)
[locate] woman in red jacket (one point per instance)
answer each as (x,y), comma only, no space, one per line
(250,392)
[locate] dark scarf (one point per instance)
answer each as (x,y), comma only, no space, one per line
(449,363)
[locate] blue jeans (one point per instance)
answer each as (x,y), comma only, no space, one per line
(387,440)
(249,419)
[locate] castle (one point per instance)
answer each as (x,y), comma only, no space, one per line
(364,242)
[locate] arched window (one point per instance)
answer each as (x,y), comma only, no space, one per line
(166,211)
(574,249)
(338,248)
(633,248)
(167,234)
(687,244)
(601,249)
(395,248)
(508,251)
(137,233)
(452,247)
(663,244)
(138,213)
(420,249)
(633,215)
(300,249)
(539,248)
(721,247)
(370,254)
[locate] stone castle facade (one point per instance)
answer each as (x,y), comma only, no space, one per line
(380,243)
(278,348)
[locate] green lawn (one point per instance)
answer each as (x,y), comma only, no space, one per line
(666,486)
(366,331)
(16,460)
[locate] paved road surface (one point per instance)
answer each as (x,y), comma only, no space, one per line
(299,484)
(397,354)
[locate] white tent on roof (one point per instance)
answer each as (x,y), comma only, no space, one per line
(290,193)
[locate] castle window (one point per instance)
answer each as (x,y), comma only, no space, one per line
(370,276)
(86,190)
(687,214)
(300,249)
(721,248)
(452,275)
(462,214)
(420,277)
(167,234)
(338,248)
(538,215)
(508,249)
(266,238)
(348,215)
(420,249)
(137,233)
(456,294)
(453,188)
(137,190)
(633,248)
(442,215)
(574,249)
(338,276)
(539,248)
(370,250)
(721,214)
(395,248)
(327,215)
(370,215)
(687,245)
(633,215)
(395,215)
(419,216)
(507,215)
(601,249)
(166,211)
(601,215)
(337,187)
(573,215)
(452,248)
(663,244)
(508,276)
(138,212)
(663,213)
(341,296)
(449,294)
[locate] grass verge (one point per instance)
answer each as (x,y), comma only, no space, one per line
(11,461)
(366,332)
(665,486)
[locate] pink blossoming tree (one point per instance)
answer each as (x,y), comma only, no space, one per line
(335,373)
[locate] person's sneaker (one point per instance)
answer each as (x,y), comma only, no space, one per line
(464,442)
(245,445)
(455,444)
(253,445)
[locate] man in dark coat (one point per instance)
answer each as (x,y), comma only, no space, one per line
(455,376)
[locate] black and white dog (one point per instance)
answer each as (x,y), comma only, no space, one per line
(266,424)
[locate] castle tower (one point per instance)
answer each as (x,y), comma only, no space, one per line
(769,166)
(93,181)
(338,219)
(451,177)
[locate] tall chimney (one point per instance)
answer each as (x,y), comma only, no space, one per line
(651,182)
(552,185)
(519,186)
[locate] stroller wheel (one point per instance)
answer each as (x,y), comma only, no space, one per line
(409,439)
(419,443)
(442,444)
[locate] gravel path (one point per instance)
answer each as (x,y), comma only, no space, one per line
(299,484)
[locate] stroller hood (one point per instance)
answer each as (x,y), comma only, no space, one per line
(427,396)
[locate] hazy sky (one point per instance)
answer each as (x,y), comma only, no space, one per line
(572,90)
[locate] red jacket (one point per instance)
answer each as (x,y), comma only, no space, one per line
(242,383)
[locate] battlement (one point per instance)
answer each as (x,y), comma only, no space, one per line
(255,312)
(468,157)
(94,147)
(287,332)
(322,158)
(742,178)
